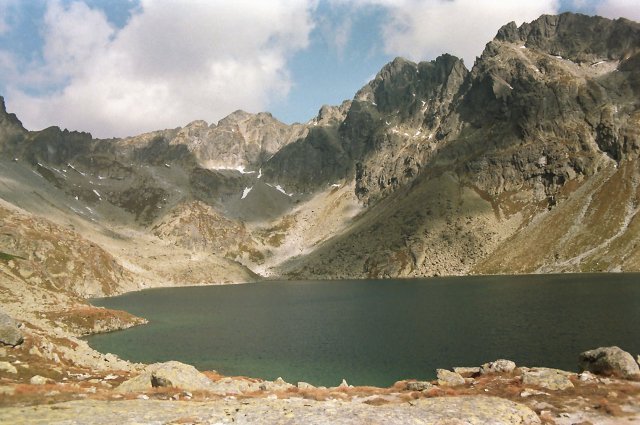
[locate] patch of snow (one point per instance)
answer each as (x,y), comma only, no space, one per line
(279,188)
(413,94)
(430,136)
(335,185)
(98,194)
(374,103)
(406,134)
(509,85)
(39,164)
(260,173)
(246,191)
(557,57)
(523,47)
(76,197)
(167,165)
(417,133)
(89,209)
(423,102)
(597,63)
(101,178)
(387,123)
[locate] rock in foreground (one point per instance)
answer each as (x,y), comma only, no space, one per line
(473,410)
(610,361)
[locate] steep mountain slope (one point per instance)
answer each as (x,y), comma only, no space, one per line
(528,130)
(430,169)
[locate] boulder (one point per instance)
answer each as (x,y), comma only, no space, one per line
(8,367)
(550,379)
(38,380)
(498,366)
(610,361)
(169,374)
(305,386)
(446,378)
(277,385)
(467,372)
(419,386)
(236,386)
(10,333)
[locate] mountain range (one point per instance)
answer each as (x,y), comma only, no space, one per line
(526,163)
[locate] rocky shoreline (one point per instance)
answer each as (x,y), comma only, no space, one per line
(50,376)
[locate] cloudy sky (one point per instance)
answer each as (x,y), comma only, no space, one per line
(122,67)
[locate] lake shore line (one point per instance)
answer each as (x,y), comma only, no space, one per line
(53,376)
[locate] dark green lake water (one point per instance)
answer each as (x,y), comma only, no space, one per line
(378,332)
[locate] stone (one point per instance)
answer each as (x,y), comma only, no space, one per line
(169,374)
(446,378)
(467,371)
(587,377)
(7,367)
(38,380)
(236,386)
(528,392)
(419,386)
(609,361)
(498,366)
(277,385)
(10,333)
(305,386)
(550,379)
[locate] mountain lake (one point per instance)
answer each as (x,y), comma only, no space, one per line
(376,332)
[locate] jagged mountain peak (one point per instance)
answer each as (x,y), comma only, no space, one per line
(577,37)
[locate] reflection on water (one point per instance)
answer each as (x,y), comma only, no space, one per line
(378,332)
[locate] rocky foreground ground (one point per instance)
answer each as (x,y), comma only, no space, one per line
(48,376)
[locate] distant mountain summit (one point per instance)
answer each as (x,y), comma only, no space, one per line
(528,162)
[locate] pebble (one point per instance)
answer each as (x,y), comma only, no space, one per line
(8,367)
(38,380)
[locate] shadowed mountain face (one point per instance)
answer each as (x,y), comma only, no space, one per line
(430,169)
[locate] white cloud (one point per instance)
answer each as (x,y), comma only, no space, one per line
(169,65)
(424,29)
(614,9)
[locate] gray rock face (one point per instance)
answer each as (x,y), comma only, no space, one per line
(498,366)
(609,361)
(550,379)
(577,37)
(10,334)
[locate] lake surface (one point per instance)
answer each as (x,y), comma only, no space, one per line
(378,332)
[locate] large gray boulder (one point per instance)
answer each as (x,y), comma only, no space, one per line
(610,361)
(10,333)
(550,379)
(169,374)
